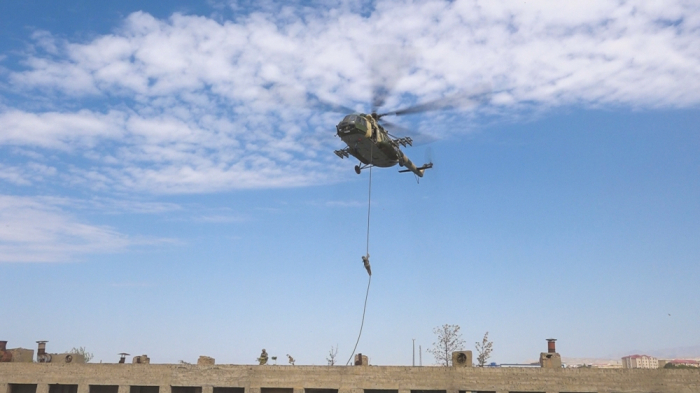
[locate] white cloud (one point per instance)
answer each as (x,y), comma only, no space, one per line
(27,174)
(109,205)
(345,204)
(63,131)
(526,46)
(34,231)
(163,153)
(207,105)
(43,229)
(221,218)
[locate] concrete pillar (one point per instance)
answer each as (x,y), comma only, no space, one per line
(83,388)
(124,389)
(207,389)
(164,389)
(409,391)
(42,388)
(298,390)
(251,389)
(4,388)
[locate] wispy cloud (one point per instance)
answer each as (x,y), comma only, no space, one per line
(56,130)
(113,205)
(205,104)
(107,205)
(31,231)
(221,219)
(35,229)
(27,174)
(342,204)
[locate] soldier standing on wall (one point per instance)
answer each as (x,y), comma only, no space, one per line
(263,357)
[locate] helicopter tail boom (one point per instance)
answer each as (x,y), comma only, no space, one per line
(420,170)
(411,167)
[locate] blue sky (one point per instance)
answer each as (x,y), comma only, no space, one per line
(167,187)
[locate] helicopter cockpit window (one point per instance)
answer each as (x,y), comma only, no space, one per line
(349,119)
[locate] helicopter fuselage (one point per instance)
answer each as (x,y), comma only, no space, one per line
(369,142)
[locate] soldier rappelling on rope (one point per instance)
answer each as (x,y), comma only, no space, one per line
(365,260)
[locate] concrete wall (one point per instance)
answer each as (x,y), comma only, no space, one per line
(22,355)
(352,379)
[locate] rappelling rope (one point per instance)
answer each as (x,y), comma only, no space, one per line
(369,205)
(363,321)
(369,281)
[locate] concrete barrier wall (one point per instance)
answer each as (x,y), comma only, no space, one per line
(351,379)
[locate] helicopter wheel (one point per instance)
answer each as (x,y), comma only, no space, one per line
(358,169)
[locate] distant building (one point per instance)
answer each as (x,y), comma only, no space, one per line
(640,361)
(607,365)
(521,365)
(684,362)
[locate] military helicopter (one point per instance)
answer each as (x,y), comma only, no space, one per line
(370,143)
(368,140)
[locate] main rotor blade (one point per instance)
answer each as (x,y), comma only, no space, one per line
(327,106)
(455,101)
(395,127)
(419,138)
(379,95)
(387,64)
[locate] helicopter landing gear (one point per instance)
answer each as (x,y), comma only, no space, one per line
(359,169)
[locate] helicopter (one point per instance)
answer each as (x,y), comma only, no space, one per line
(368,140)
(372,145)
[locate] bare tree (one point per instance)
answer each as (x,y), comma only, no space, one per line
(484,349)
(449,339)
(331,355)
(82,351)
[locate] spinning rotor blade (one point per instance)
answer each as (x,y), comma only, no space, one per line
(419,138)
(387,64)
(326,106)
(450,102)
(395,127)
(379,95)
(428,153)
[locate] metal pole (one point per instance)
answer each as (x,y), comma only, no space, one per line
(420,355)
(414,352)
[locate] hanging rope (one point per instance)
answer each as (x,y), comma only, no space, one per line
(365,259)
(369,206)
(363,321)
